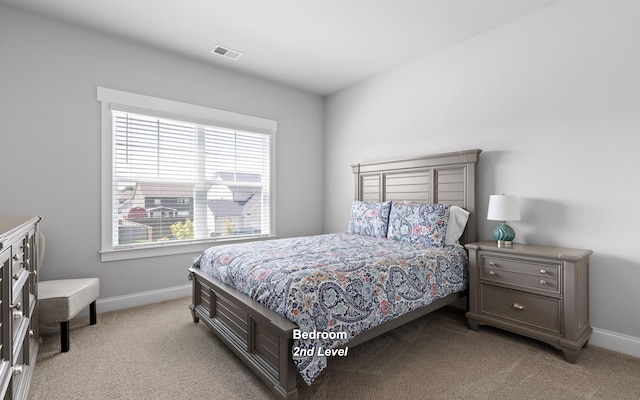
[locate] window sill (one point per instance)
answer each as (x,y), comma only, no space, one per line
(168,249)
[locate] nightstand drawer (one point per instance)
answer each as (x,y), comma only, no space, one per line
(532,273)
(539,282)
(537,311)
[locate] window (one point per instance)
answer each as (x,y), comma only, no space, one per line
(176,177)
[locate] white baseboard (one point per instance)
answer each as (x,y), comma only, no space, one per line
(142,298)
(615,341)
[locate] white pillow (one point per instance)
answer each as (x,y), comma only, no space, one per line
(457,221)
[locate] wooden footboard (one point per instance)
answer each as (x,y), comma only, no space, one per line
(262,338)
(259,336)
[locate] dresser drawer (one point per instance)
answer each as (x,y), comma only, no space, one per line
(525,273)
(539,312)
(5,375)
(20,256)
(19,370)
(18,263)
(19,318)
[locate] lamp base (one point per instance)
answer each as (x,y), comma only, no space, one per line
(504,234)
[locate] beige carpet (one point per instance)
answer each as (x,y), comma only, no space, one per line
(157,352)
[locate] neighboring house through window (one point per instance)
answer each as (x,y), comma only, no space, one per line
(176,177)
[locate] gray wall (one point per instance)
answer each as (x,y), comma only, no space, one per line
(553,99)
(50,140)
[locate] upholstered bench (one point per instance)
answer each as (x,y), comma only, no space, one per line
(61,300)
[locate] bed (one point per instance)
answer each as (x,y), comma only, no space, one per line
(259,300)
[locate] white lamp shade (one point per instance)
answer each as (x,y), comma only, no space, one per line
(503,207)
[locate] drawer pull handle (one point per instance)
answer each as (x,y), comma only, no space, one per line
(31,333)
(517,306)
(492,272)
(17,306)
(25,263)
(17,314)
(543,282)
(492,263)
(15,257)
(16,276)
(17,370)
(543,271)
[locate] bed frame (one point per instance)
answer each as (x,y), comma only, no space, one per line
(262,338)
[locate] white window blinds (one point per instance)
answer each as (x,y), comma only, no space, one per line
(179,181)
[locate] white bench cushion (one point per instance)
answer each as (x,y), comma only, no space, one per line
(60,300)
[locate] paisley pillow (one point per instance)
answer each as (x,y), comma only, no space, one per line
(369,218)
(418,223)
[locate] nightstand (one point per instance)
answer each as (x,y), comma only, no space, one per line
(537,291)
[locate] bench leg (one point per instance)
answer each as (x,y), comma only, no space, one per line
(92,313)
(64,327)
(64,336)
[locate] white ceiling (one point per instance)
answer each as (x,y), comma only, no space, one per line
(320,46)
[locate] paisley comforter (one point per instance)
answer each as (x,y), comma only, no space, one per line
(337,283)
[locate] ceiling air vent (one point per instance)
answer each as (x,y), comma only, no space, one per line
(226,52)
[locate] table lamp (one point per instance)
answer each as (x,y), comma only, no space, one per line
(503,208)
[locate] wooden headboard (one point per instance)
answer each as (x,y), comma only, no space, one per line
(448,178)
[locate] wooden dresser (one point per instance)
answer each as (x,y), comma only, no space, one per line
(537,291)
(19,305)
